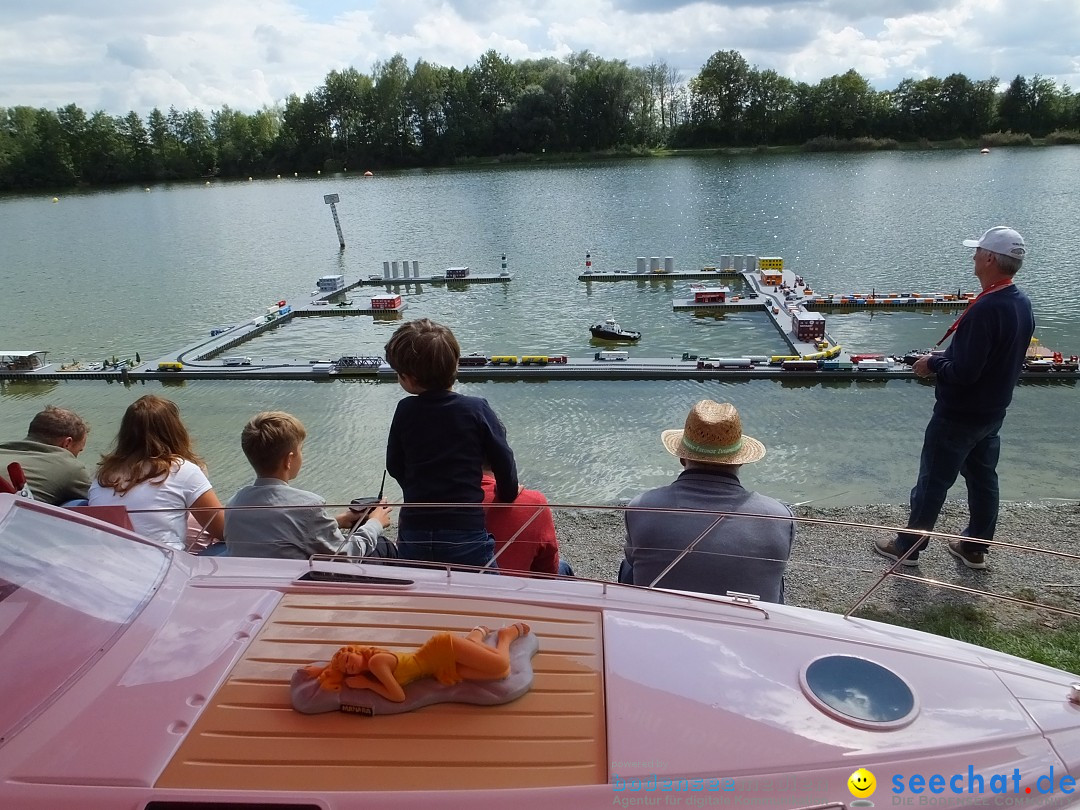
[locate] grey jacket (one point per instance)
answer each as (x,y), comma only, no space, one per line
(293,534)
(739,553)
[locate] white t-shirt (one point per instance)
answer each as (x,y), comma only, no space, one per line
(185,484)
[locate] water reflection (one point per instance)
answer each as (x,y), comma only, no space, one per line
(26,389)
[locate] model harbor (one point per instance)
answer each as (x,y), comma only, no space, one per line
(797,312)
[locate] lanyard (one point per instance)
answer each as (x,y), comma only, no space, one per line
(997,285)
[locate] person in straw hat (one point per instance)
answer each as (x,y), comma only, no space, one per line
(733,539)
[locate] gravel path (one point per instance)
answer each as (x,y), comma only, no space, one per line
(832,565)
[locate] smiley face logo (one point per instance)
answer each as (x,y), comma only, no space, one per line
(862,784)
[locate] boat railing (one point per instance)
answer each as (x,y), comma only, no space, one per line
(832,565)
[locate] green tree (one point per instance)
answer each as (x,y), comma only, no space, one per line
(532,120)
(135,145)
(719,96)
(1014,108)
(426,96)
(1047,106)
(344,96)
(847,107)
(460,114)
(962,108)
(74,126)
(42,156)
(917,109)
(104,160)
(392,132)
(770,97)
(304,142)
(600,102)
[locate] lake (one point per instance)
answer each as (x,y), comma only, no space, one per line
(115,272)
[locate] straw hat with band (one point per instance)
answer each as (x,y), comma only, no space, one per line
(713,435)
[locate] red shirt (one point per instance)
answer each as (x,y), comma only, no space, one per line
(536,548)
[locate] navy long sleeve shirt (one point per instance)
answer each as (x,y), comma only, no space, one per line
(436,450)
(978,372)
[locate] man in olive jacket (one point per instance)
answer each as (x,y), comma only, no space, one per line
(48,456)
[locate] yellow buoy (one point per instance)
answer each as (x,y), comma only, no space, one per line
(146,189)
(279,177)
(249,179)
(56,199)
(295,174)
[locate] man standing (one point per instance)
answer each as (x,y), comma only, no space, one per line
(975,380)
(48,456)
(738,540)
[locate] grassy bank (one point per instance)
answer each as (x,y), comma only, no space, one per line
(1051,641)
(820,144)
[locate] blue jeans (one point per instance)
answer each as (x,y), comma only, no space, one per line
(453,546)
(950,449)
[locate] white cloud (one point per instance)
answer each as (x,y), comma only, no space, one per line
(119,55)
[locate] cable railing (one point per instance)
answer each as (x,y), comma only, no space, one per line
(591,537)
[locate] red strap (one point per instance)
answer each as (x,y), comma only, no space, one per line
(997,285)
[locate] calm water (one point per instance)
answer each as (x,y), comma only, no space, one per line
(125,271)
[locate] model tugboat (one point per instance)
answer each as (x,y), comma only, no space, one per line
(610,330)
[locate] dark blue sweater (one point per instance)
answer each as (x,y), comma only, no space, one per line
(978,372)
(438,443)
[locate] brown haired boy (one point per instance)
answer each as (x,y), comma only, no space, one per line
(438,444)
(273,442)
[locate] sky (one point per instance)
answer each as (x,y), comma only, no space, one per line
(122,55)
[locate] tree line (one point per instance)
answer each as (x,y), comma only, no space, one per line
(430,115)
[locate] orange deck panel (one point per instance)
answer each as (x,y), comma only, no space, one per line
(249,737)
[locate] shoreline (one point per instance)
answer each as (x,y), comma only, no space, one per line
(832,564)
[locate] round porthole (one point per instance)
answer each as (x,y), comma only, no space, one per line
(858,691)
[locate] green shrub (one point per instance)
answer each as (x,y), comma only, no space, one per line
(1008,138)
(826,143)
(1060,136)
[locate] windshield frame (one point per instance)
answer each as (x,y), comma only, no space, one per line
(68,584)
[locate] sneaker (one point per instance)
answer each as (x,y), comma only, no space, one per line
(972,559)
(887,548)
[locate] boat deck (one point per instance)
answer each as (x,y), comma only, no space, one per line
(249,737)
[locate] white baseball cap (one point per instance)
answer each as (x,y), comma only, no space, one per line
(1000,239)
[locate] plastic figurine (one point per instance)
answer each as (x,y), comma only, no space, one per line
(448,658)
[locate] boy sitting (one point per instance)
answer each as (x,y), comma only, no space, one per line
(273,442)
(438,443)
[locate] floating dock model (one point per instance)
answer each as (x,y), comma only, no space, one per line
(650,268)
(544,367)
(409,273)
